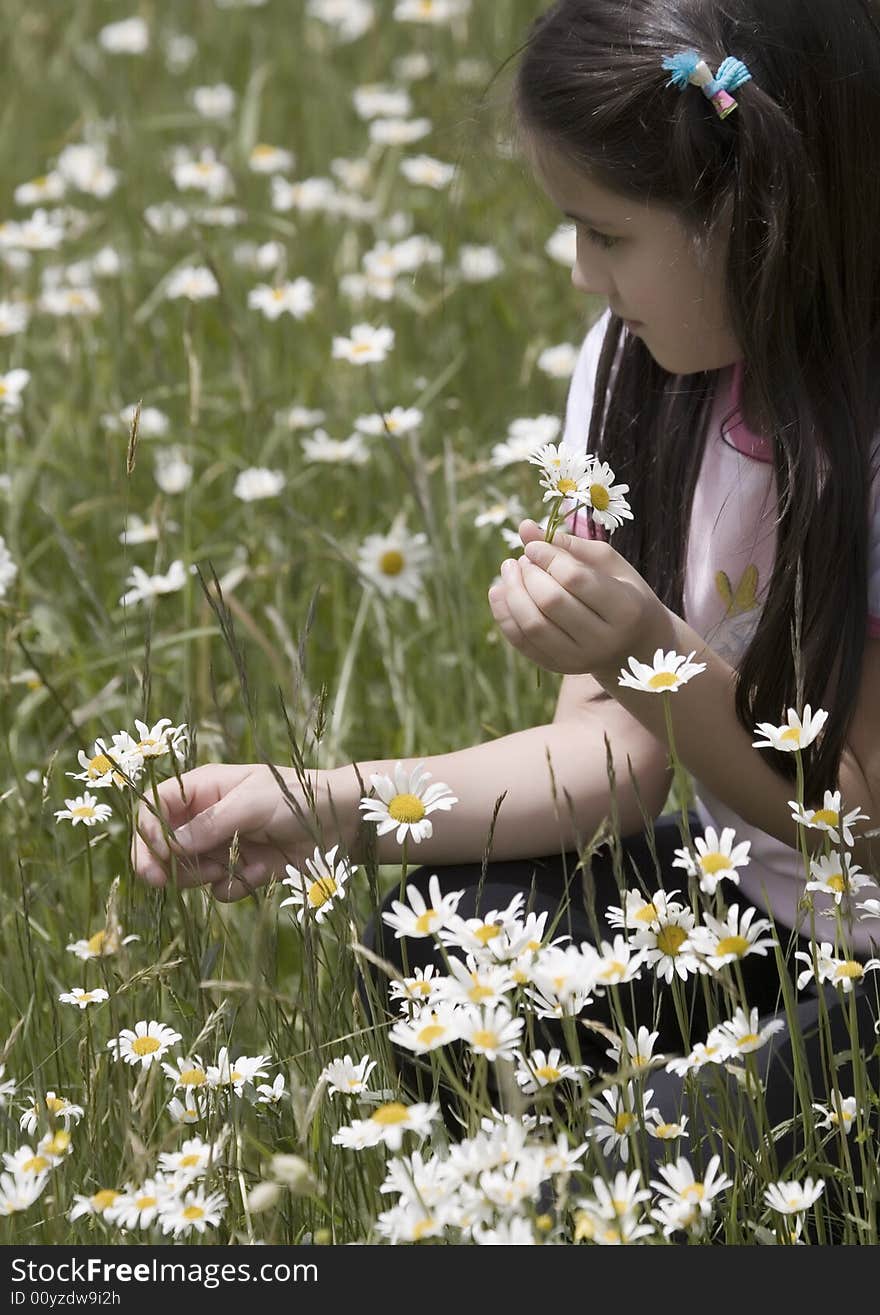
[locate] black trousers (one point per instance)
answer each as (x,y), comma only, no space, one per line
(553,882)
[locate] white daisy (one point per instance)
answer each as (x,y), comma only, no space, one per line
(539,1070)
(387,1125)
(138,1207)
(430,1028)
(100,764)
(733,938)
(472,983)
(639,1048)
(422,919)
(84,808)
(128,36)
(194,282)
(419,989)
(163,737)
(716,860)
(14,316)
(564,471)
(92,1205)
(638,912)
(398,132)
(841,1113)
(393,563)
(616,962)
(667,672)
(742,1034)
(703,1053)
(152,586)
(365,345)
(336,451)
(837,875)
(55,1107)
(192,1161)
(11,387)
(146,1044)
(186,1111)
(257,482)
(236,1072)
(104,942)
(271,1094)
(266,159)
(188,1074)
(797,734)
(665,1131)
(619,1117)
(196,1211)
(405,802)
(608,507)
(78,995)
(792,1197)
(845,973)
(681,1187)
(668,943)
(493,1032)
(216,102)
(828,818)
(525,436)
(425,171)
(398,421)
(478,263)
(296,299)
(558,361)
(345,1078)
(561,245)
(18,1193)
(320,889)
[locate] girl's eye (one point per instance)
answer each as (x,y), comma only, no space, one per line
(601,239)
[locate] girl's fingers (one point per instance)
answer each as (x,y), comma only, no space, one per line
(570,612)
(202,787)
(527,615)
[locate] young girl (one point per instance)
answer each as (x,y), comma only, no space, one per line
(733,384)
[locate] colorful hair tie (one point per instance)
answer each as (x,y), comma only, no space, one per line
(688,68)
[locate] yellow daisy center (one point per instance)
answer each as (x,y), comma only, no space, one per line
(86,997)
(390,1114)
(36,1164)
(102,1199)
(425,921)
(58,1144)
(599,497)
(421,1228)
(190,1161)
(486,933)
(145,1202)
(849,969)
(391,562)
(663,680)
(670,938)
(623,1121)
(145,1045)
(694,1191)
(83,810)
(647,913)
(406,808)
(479,992)
(736,945)
(420,988)
(193,1212)
(665,1130)
(193,1077)
(431,1033)
(827,815)
(714,862)
(485,1037)
(3,390)
(793,734)
(55,1103)
(99,765)
(321,891)
(547,1073)
(613,969)
(361,348)
(96,943)
(566,486)
(836,882)
(750,1039)
(278,294)
(262,151)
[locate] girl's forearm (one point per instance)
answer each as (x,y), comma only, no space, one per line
(530,822)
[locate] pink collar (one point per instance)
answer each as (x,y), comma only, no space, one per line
(737,432)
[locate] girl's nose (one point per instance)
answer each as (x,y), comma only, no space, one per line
(594,285)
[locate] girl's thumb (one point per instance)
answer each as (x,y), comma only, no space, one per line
(211,827)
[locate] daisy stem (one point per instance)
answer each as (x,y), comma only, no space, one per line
(678,774)
(403,953)
(91,890)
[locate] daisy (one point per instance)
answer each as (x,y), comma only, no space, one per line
(437,12)
(716,860)
(78,995)
(70,301)
(194,282)
(605,499)
(57,1107)
(398,421)
(49,187)
(564,471)
(870,908)
(617,1199)
(492,1032)
(11,387)
(187,1074)
(562,976)
(638,912)
(104,942)
(266,159)
(8,1087)
(668,672)
(128,36)
(405,803)
(742,1034)
(477,935)
(205,174)
(791,1198)
(14,316)
(429,1029)
(668,943)
(663,1131)
(828,818)
(337,451)
(151,586)
(841,1113)
(617,1118)
(257,482)
(271,1095)
(92,1205)
(496,513)
(29,1163)
(421,919)
(681,1187)
(321,888)
(639,1048)
(425,171)
(837,875)
(387,1124)
(18,1193)
(408,1221)
(164,737)
(138,1207)
(723,942)
(193,1160)
(513,1186)
(86,809)
(149,1041)
(558,361)
(376,98)
(561,245)
(393,563)
(473,983)
(216,102)
(99,766)
(296,299)
(309,195)
(235,1073)
(366,344)
(345,1078)
(187,1111)
(197,1210)
(796,735)
(398,132)
(845,973)
(478,263)
(539,1070)
(525,436)
(616,963)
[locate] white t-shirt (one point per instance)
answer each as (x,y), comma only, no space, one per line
(731,546)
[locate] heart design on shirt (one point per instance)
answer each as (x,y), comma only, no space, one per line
(745,596)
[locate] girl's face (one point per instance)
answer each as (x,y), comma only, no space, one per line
(643,261)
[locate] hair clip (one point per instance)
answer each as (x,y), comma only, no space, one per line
(688,68)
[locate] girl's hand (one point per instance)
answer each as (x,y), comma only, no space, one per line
(576,606)
(220,800)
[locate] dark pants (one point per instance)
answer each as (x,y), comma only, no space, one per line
(552,882)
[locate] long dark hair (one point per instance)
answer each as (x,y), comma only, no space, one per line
(797,168)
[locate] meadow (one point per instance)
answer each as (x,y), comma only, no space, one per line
(282,317)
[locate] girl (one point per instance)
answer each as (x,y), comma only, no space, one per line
(732,384)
